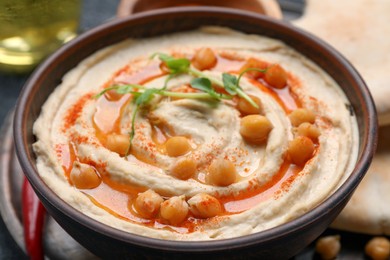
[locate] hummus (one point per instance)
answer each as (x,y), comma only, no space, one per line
(255,184)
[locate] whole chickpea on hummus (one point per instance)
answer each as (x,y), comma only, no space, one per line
(200,135)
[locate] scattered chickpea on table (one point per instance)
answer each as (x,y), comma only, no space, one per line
(378,248)
(328,247)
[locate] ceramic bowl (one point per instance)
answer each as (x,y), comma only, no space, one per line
(280,242)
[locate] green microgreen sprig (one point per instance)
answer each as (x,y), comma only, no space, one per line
(142,95)
(229,82)
(120,89)
(204,84)
(232,84)
(175,65)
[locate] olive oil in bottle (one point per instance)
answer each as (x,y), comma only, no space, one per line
(32,29)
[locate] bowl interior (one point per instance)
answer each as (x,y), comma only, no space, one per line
(49,75)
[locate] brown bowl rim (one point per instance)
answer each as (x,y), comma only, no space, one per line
(344,191)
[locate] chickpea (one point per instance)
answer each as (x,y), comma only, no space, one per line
(328,247)
(301,149)
(308,130)
(148,203)
(164,67)
(378,248)
(184,168)
(222,172)
(113,95)
(203,205)
(301,115)
(84,176)
(174,210)
(177,145)
(204,59)
(255,128)
(246,108)
(118,143)
(254,63)
(276,76)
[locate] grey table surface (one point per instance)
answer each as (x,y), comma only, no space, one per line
(94,12)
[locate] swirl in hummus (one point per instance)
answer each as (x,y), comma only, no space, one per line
(196,168)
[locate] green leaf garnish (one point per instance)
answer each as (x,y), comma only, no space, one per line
(178,65)
(101,93)
(142,96)
(204,84)
(132,132)
(230,83)
(146,96)
(140,100)
(124,89)
(175,65)
(249,69)
(120,89)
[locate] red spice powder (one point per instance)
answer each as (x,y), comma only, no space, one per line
(75,111)
(79,139)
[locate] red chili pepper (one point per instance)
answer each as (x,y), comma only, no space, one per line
(33,220)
